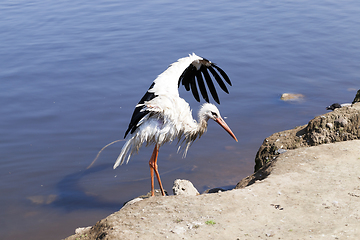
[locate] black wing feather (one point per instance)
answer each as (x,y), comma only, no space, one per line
(223,74)
(187,79)
(202,87)
(194,88)
(210,84)
(138,114)
(187,76)
(218,79)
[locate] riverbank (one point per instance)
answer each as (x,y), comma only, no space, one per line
(309,192)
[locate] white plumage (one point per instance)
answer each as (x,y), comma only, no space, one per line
(162,116)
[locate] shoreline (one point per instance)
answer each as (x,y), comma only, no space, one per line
(303,192)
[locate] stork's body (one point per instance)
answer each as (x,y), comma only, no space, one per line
(162,116)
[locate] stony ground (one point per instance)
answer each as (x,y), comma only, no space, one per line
(309,192)
(312,193)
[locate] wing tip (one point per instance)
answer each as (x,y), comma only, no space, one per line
(196,68)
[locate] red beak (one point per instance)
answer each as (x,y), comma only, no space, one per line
(222,123)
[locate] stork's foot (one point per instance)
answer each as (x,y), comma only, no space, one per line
(157,193)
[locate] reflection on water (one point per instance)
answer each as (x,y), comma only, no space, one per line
(72,72)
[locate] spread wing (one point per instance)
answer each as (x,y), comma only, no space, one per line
(192,72)
(199,70)
(140,111)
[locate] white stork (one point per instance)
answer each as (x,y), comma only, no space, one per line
(162,116)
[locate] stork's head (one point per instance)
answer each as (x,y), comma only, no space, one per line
(210,111)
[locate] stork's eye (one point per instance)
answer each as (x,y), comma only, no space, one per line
(214,114)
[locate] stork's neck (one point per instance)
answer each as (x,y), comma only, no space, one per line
(199,128)
(202,125)
(195,130)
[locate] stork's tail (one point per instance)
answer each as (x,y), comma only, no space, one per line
(125,153)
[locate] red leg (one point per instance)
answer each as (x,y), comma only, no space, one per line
(151,162)
(154,167)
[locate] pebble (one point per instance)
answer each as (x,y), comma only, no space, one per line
(184,187)
(292,96)
(80,230)
(280,151)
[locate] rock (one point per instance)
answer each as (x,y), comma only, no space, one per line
(333,106)
(337,105)
(292,96)
(357,97)
(215,190)
(43,199)
(259,175)
(342,122)
(139,198)
(133,201)
(157,193)
(81,230)
(311,193)
(340,125)
(280,151)
(184,187)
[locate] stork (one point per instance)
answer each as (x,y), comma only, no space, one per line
(163,116)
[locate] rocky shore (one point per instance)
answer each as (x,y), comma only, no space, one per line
(306,186)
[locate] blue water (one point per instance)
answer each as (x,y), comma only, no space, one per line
(72,71)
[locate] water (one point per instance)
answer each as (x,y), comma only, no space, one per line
(72,71)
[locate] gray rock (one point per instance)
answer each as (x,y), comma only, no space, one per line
(81,230)
(292,97)
(133,201)
(339,125)
(184,187)
(215,190)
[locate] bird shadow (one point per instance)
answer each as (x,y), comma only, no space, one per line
(72,197)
